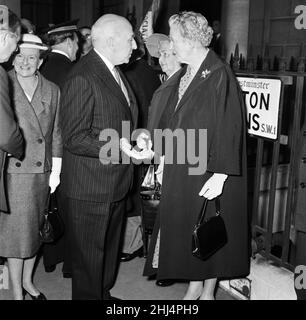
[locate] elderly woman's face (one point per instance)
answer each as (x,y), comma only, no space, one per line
(180,45)
(167,59)
(27,62)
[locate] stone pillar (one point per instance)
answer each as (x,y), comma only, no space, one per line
(14,5)
(235,26)
(83,10)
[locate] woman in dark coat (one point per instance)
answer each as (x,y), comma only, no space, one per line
(205,96)
(36,105)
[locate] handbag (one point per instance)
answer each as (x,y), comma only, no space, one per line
(52,227)
(208,235)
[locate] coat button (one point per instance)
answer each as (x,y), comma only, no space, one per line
(18,164)
(303,185)
(40,141)
(39,164)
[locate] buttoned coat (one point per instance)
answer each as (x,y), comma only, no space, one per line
(213,101)
(39,122)
(11,140)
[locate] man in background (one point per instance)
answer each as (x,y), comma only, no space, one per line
(64,42)
(86,43)
(11,140)
(63,39)
(216,42)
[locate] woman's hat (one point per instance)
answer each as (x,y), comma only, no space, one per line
(32,42)
(153,43)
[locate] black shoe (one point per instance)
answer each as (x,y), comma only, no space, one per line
(41,296)
(49,269)
(130,256)
(165,283)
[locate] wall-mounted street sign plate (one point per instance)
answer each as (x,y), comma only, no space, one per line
(262,99)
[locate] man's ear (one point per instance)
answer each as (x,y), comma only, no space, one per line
(69,42)
(110,42)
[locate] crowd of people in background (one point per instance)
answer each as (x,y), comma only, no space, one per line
(65,85)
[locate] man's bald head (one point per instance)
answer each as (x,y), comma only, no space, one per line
(113,37)
(108,25)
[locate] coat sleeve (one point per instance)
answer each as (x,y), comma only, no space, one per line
(77,113)
(57,143)
(11,140)
(227,146)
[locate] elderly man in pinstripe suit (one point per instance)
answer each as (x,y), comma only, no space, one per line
(97,97)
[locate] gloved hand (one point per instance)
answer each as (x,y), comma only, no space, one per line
(144,141)
(213,186)
(145,154)
(54,179)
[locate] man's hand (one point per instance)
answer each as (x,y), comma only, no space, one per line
(213,186)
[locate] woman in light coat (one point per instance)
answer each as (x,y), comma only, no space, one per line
(36,104)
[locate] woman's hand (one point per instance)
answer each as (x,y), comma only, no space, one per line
(144,141)
(54,179)
(213,186)
(145,154)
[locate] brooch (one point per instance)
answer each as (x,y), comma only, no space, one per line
(205,73)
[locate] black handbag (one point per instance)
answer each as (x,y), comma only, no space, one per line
(52,227)
(208,235)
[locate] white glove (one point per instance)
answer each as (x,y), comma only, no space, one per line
(144,141)
(213,186)
(146,154)
(54,179)
(160,170)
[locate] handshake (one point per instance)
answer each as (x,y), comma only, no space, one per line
(144,143)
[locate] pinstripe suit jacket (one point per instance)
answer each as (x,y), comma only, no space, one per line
(91,102)
(11,140)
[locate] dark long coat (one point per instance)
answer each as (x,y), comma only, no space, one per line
(213,102)
(56,69)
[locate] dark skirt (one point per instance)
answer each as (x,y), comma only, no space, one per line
(19,230)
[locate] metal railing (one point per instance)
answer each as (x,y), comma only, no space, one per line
(272,155)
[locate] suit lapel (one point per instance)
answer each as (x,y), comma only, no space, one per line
(133,102)
(22,104)
(102,71)
(41,102)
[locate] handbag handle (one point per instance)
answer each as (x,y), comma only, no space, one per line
(47,202)
(202,213)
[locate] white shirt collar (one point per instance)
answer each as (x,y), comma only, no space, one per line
(61,52)
(109,65)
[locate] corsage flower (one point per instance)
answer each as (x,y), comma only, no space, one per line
(205,73)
